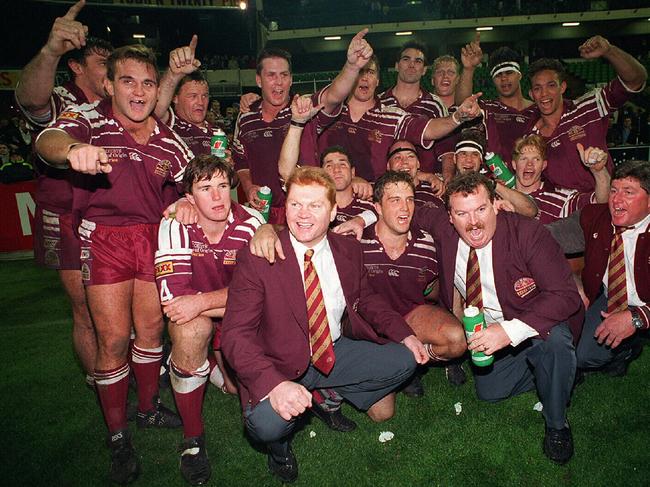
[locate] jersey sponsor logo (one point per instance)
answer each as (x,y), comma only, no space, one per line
(199,249)
(85,254)
(373,270)
(51,258)
(69,115)
(85,272)
(230,257)
(164,268)
(520,119)
(393,272)
(268,133)
(50,243)
(134,156)
(162,168)
(555,144)
(576,132)
(524,286)
(422,274)
(375,136)
(352,130)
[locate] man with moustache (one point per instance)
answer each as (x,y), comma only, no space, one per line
(615,277)
(128,155)
(554,203)
(563,123)
(283,329)
(408,94)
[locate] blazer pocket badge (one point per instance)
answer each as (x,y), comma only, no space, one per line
(524,286)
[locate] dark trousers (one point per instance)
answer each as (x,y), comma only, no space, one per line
(549,366)
(363,374)
(589,352)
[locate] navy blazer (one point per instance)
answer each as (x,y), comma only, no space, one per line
(532,277)
(265,335)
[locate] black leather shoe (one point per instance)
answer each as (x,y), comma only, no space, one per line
(455,374)
(618,366)
(558,445)
(159,417)
(286,470)
(414,387)
(125,466)
(195,465)
(333,419)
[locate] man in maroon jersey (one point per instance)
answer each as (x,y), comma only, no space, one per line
(366,127)
(128,155)
(563,123)
(408,94)
(260,132)
(553,202)
(55,243)
(194,267)
(506,118)
(402,267)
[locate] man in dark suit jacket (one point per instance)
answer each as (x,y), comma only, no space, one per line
(266,335)
(607,338)
(530,301)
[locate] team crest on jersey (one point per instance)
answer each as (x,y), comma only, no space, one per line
(69,115)
(85,272)
(230,257)
(422,274)
(51,258)
(524,286)
(163,268)
(162,168)
(576,132)
(375,136)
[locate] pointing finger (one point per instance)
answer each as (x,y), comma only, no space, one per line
(194,42)
(74,10)
(361,34)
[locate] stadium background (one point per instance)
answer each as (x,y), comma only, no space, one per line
(49,420)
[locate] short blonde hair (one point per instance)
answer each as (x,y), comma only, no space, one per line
(306,176)
(532,140)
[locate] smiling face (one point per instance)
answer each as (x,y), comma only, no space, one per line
(410,67)
(191,101)
(405,161)
(528,169)
(275,80)
(309,213)
(211,197)
(367,82)
(546,90)
(445,79)
(474,217)
(91,74)
(134,90)
(628,202)
(507,83)
(337,165)
(396,207)
(468,160)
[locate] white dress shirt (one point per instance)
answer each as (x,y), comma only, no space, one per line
(517,330)
(630,237)
(328,277)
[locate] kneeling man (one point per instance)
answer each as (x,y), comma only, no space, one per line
(310,321)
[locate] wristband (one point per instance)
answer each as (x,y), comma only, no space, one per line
(298,124)
(453,117)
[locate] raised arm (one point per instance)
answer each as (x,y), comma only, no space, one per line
(439,127)
(470,57)
(631,72)
(37,78)
(302,110)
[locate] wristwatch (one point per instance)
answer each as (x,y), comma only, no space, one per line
(637,322)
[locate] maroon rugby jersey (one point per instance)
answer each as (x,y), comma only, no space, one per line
(555,203)
(53,188)
(427,105)
(256,146)
(584,120)
(196,137)
(402,282)
(369,139)
(187,263)
(424,196)
(503,125)
(355,208)
(132,192)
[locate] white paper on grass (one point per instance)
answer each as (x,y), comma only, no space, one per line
(385,436)
(458,407)
(538,406)
(312,433)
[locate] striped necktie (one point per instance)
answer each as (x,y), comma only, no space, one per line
(320,338)
(616,285)
(473,295)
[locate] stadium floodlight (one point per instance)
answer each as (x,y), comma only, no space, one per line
(570,24)
(404,33)
(139,36)
(332,38)
(243,5)
(484,28)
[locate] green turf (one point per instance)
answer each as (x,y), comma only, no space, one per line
(53,433)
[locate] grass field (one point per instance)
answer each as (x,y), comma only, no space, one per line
(53,432)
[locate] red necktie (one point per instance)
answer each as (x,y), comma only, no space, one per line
(616,285)
(320,338)
(473,295)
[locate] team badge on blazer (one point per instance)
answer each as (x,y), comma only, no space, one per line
(595,235)
(524,286)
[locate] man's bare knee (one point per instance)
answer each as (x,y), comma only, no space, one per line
(383,410)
